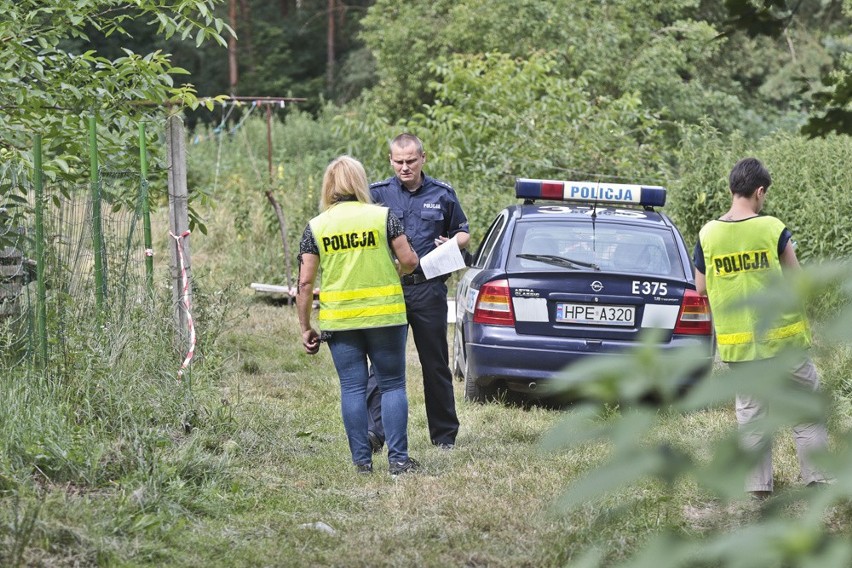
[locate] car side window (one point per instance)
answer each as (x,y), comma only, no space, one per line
(489,241)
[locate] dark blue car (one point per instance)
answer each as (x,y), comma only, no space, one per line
(579,269)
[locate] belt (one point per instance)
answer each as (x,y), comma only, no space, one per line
(412,279)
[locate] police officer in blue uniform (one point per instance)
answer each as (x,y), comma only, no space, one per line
(431,214)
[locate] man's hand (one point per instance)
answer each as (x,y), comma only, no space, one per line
(311,341)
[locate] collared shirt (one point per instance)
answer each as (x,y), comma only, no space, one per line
(431,211)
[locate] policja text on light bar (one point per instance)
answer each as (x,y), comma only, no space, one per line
(590,192)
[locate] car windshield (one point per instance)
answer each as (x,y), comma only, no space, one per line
(607,247)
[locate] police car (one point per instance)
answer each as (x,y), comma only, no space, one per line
(580,269)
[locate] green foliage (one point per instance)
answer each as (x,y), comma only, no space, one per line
(114,417)
(51,90)
(496,118)
(673,55)
(499,90)
(230,167)
(773,18)
(834,102)
(807,192)
(402,50)
(715,469)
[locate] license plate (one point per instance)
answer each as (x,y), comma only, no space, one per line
(598,314)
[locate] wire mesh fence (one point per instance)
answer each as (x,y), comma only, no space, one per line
(16,292)
(91,281)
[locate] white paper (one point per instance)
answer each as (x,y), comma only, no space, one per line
(443,260)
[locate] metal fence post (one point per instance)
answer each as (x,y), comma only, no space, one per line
(146,211)
(97,230)
(41,289)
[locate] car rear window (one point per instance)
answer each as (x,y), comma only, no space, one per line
(613,247)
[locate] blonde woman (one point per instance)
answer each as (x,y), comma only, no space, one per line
(362,310)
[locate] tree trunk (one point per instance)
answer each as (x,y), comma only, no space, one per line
(245,34)
(329,62)
(232,48)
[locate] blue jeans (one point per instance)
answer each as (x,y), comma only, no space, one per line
(385,346)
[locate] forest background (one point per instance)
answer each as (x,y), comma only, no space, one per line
(625,91)
(114,463)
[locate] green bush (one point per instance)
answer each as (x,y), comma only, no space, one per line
(809,192)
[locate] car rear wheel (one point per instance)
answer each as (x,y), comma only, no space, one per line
(457,368)
(473,391)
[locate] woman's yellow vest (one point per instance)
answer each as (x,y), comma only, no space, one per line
(741,260)
(360,286)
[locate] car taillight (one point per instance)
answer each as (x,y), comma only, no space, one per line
(493,304)
(694,316)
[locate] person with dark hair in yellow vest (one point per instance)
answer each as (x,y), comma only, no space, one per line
(736,257)
(362,309)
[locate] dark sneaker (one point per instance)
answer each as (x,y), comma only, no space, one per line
(364,467)
(445,446)
(375,443)
(396,468)
(760,495)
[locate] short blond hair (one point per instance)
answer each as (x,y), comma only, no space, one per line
(344,178)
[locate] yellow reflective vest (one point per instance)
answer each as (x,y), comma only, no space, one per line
(360,286)
(741,260)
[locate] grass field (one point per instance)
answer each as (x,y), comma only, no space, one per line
(294,499)
(246,463)
(263,478)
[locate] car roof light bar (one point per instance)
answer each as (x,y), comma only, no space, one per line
(590,192)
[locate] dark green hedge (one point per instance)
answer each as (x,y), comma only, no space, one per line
(811,187)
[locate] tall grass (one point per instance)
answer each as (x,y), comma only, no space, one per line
(265,461)
(111,425)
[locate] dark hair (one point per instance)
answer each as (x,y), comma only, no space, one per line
(747,175)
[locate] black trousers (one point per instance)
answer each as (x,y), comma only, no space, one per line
(426,307)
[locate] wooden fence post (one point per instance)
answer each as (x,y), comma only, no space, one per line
(179,224)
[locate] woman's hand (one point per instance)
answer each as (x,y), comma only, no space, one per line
(311,341)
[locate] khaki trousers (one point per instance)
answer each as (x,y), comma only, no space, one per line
(809,437)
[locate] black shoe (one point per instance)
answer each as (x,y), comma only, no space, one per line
(445,446)
(396,468)
(760,495)
(364,467)
(375,443)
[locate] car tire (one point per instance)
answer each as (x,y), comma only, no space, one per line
(473,391)
(457,369)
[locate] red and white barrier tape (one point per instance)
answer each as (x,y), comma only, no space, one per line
(185,301)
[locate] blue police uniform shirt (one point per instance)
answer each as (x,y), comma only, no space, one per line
(432,211)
